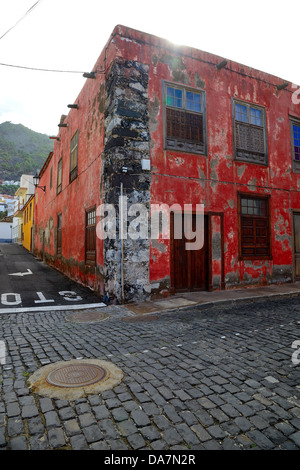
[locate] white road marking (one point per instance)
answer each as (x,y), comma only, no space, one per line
(42,299)
(12,299)
(5,299)
(22,274)
(70,295)
(50,308)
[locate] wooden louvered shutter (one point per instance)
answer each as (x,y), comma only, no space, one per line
(254,237)
(247,236)
(185,120)
(175,124)
(254,228)
(262,239)
(194,127)
(250,132)
(184,131)
(249,140)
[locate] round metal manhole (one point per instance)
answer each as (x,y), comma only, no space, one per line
(75,375)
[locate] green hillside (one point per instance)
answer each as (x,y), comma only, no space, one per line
(22,151)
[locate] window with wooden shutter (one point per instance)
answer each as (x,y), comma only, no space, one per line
(90,236)
(254,227)
(185,119)
(74,157)
(59,176)
(295,141)
(250,140)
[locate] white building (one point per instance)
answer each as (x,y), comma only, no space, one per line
(6,230)
(24,192)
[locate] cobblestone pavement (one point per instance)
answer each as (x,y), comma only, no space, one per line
(220,378)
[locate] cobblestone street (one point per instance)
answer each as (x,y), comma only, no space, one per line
(215,378)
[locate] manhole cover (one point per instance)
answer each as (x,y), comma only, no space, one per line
(75,375)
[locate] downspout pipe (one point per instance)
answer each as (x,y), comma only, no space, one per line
(122,241)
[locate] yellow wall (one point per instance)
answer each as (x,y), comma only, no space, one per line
(28,223)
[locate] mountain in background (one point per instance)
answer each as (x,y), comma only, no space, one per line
(22,151)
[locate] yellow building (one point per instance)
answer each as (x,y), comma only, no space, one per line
(23,194)
(28,220)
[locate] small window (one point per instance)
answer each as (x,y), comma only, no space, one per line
(90,236)
(74,157)
(51,174)
(254,227)
(185,119)
(59,234)
(295,140)
(250,140)
(59,176)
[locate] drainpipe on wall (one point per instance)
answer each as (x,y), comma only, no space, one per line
(122,242)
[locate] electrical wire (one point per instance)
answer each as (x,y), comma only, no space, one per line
(22,18)
(32,68)
(40,70)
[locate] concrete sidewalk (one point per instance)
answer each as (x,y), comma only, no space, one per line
(204,299)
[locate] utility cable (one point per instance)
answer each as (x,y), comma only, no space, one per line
(40,70)
(31,68)
(22,18)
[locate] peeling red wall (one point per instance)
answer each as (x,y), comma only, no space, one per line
(215,178)
(80,194)
(178,177)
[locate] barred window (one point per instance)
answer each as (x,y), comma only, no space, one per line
(254,227)
(74,157)
(90,236)
(185,119)
(250,140)
(295,141)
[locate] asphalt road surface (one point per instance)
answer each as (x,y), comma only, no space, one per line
(27,284)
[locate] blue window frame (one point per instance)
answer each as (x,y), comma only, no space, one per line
(174,97)
(249,128)
(295,143)
(185,119)
(296,135)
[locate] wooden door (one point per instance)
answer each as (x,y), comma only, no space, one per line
(297,244)
(189,268)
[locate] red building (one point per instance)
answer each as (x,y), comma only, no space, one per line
(162,124)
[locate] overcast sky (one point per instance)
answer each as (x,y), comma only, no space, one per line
(70,34)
